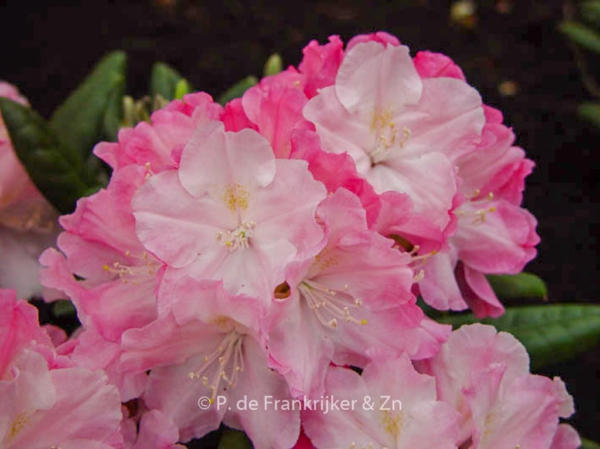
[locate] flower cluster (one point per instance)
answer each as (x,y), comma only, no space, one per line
(275,248)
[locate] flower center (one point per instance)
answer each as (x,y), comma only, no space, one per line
(391,421)
(477,215)
(17,426)
(387,136)
(134,273)
(228,360)
(236,196)
(328,305)
(239,238)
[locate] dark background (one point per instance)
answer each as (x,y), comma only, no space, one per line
(46,51)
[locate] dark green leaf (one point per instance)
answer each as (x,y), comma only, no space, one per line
(94,107)
(63,307)
(234,439)
(166,81)
(428,310)
(551,333)
(591,112)
(589,444)
(590,11)
(113,115)
(238,89)
(92,190)
(581,35)
(56,170)
(274,65)
(522,285)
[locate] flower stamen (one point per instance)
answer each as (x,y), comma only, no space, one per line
(239,238)
(328,306)
(132,273)
(229,362)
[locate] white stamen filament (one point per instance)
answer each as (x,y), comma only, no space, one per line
(239,238)
(229,357)
(328,306)
(420,260)
(133,273)
(386,139)
(480,214)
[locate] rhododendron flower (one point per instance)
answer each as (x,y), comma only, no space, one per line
(231,212)
(119,276)
(275,110)
(152,144)
(354,295)
(403,132)
(391,406)
(47,402)
(156,431)
(493,234)
(485,375)
(565,438)
(27,221)
(209,347)
(274,248)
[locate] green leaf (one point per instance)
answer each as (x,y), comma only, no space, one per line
(63,308)
(94,107)
(167,82)
(182,88)
(581,35)
(113,115)
(591,112)
(589,444)
(522,285)
(551,333)
(428,310)
(55,169)
(238,89)
(234,439)
(274,65)
(590,11)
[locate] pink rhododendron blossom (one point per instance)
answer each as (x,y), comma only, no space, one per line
(234,118)
(303,442)
(389,406)
(436,65)
(274,248)
(566,438)
(151,144)
(354,295)
(320,64)
(493,234)
(230,212)
(210,347)
(43,404)
(27,221)
(276,110)
(156,431)
(485,376)
(403,132)
(338,171)
(20,330)
(101,247)
(91,350)
(381,37)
